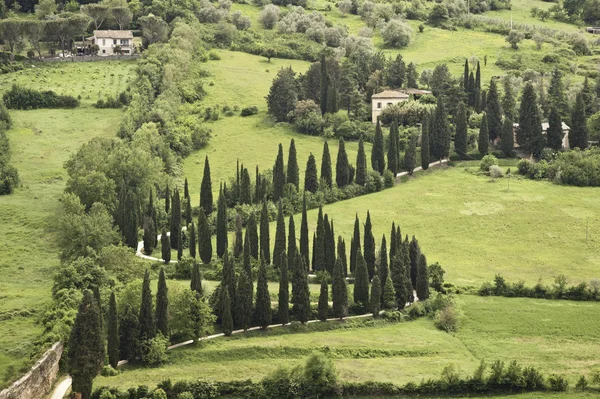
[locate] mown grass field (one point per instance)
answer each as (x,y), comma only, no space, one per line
(556,336)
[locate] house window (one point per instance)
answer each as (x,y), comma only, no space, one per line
(103,51)
(114,41)
(378,105)
(389,104)
(124,42)
(104,42)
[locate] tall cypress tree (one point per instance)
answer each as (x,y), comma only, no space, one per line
(342,167)
(311,181)
(165,246)
(466,77)
(283,311)
(588,97)
(392,155)
(556,93)
(377,151)
(330,249)
(483,141)
(406,253)
(149,236)
(278,175)
(188,212)
(323,301)
(175,219)
(461,136)
(494,112)
(508,100)
(440,134)
(293,171)
(300,292)
(422,285)
(425,155)
(554,134)
(410,155)
(399,280)
(245,190)
(186,189)
(262,312)
(146,318)
(507,138)
(529,134)
(206,195)
(292,248)
(151,214)
(193,243)
(319,247)
(221,223)
(226,315)
(265,237)
(228,278)
(326,244)
(414,254)
(477,103)
(196,283)
(355,245)
(179,245)
(167,199)
(472,90)
(393,243)
(324,85)
(361,281)
(578,136)
(341,253)
(279,246)
(361,164)
(204,238)
(131,223)
(243,310)
(388,297)
(129,334)
(339,291)
(375,305)
(326,171)
(162,305)
(86,350)
(238,248)
(369,246)
(113,332)
(384,270)
(247,263)
(252,231)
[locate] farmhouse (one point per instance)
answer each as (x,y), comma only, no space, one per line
(545,125)
(390,97)
(109,42)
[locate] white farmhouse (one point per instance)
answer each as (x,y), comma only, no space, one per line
(107,40)
(545,125)
(381,100)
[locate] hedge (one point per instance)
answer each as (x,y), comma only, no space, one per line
(19,97)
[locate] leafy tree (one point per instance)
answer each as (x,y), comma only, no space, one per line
(129,334)
(262,312)
(175,219)
(226,317)
(578,136)
(355,245)
(280,238)
(392,155)
(507,138)
(494,112)
(361,281)
(293,176)
(86,349)
(112,346)
(425,147)
(251,230)
(410,155)
(300,291)
(339,291)
(388,301)
(283,297)
(514,38)
(304,233)
(192,317)
(243,310)
(319,247)
(369,246)
(154,29)
(278,175)
(238,248)
(326,171)
(283,94)
(554,133)
(165,246)
(361,164)
(342,167)
(221,223)
(483,142)
(375,304)
(196,282)
(422,286)
(396,72)
(377,151)
(204,238)
(440,134)
(311,181)
(206,196)
(147,328)
(162,305)
(529,134)
(192,245)
(265,244)
(323,301)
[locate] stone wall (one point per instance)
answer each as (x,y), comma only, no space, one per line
(38,382)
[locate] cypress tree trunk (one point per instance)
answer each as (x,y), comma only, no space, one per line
(342,167)
(265,244)
(355,245)
(165,246)
(361,164)
(146,319)
(293,171)
(311,181)
(204,238)
(361,282)
(162,305)
(221,224)
(238,248)
(483,140)
(252,231)
(323,301)
(279,246)
(377,152)
(415,254)
(369,246)
(226,318)
(206,196)
(375,296)
(326,171)
(175,219)
(425,156)
(304,233)
(339,291)
(196,283)
(283,312)
(113,332)
(422,279)
(319,247)
(263,299)
(193,243)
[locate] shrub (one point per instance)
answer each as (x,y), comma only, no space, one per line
(155,350)
(19,97)
(396,33)
(250,110)
(108,371)
(448,319)
(240,21)
(487,161)
(558,383)
(496,172)
(213,55)
(388,179)
(269,16)
(9,179)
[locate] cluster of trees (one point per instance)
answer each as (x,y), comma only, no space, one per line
(9,176)
(19,97)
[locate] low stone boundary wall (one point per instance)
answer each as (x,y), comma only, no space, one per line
(38,381)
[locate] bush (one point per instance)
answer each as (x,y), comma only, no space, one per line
(213,55)
(19,97)
(9,179)
(108,371)
(558,383)
(388,179)
(396,33)
(155,350)
(448,319)
(487,161)
(250,110)
(496,172)
(269,16)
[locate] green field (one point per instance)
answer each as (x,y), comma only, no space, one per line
(556,336)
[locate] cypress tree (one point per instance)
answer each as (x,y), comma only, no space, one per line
(355,245)
(483,141)
(226,318)
(279,246)
(179,246)
(278,175)
(529,134)
(326,171)
(578,136)
(361,164)
(252,231)
(113,332)
(477,103)
(407,269)
(375,296)
(129,333)
(341,253)
(472,90)
(196,283)
(167,200)
(422,285)
(323,301)
(131,224)
(588,97)
(262,311)
(206,196)
(162,305)
(508,100)
(410,155)
(554,133)
(228,278)
(221,223)
(193,243)
(237,185)
(314,245)
(291,249)
(175,219)
(283,311)
(425,156)
(466,77)
(399,279)
(186,189)
(300,292)
(86,350)
(383,260)
(165,246)
(369,246)
(243,310)
(507,138)
(293,171)
(494,112)
(392,155)
(388,300)
(204,238)
(414,254)
(330,249)
(311,181)
(324,85)
(342,167)
(151,214)
(377,151)
(326,244)
(245,194)
(188,212)
(258,194)
(247,262)
(265,240)
(146,318)
(393,243)
(556,93)
(440,134)
(319,247)
(361,281)
(238,248)
(149,236)
(304,233)
(461,136)
(339,291)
